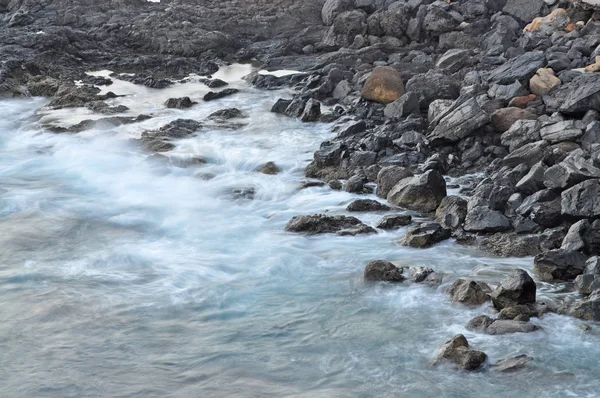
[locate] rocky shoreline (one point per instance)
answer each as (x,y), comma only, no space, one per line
(504,96)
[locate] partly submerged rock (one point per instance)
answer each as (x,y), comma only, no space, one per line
(323,224)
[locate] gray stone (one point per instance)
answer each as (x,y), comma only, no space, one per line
(342,90)
(454,60)
(324,224)
(590,308)
(533,181)
(506,92)
(484,219)
(523,10)
(367,205)
(520,133)
(403,106)
(574,169)
(379,271)
(425,235)
(566,130)
(420,193)
(519,68)
(582,200)
(574,240)
(469,292)
(356,184)
(511,364)
(388,177)
(332,8)
(457,350)
(589,281)
(463,118)
(528,154)
(561,265)
(451,212)
(394,221)
(518,288)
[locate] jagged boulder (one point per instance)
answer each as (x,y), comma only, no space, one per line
(559,265)
(425,235)
(383,271)
(457,350)
(324,224)
(469,292)
(421,193)
(518,288)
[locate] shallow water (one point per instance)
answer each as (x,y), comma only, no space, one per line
(125,277)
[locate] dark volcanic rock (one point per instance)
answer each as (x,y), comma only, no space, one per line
(225,114)
(461,119)
(518,288)
(159,140)
(559,265)
(451,212)
(215,95)
(457,350)
(394,221)
(179,103)
(582,200)
(469,292)
(383,271)
(388,177)
(520,68)
(491,326)
(323,224)
(421,193)
(367,205)
(425,235)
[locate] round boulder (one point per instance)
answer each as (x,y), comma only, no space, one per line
(384,85)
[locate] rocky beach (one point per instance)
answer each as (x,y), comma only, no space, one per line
(300,198)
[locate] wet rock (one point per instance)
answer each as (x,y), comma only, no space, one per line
(451,212)
(543,82)
(484,219)
(394,221)
(522,312)
(70,96)
(226,114)
(145,80)
(179,103)
(159,140)
(269,168)
(419,274)
(491,326)
(388,177)
(559,265)
(460,120)
(502,119)
(425,235)
(215,95)
(356,184)
(518,288)
(511,364)
(582,200)
(383,85)
(519,68)
(469,292)
(104,108)
(215,83)
(589,281)
(243,193)
(280,106)
(383,271)
(324,224)
(590,308)
(312,111)
(335,185)
(562,131)
(457,350)
(420,193)
(367,205)
(517,245)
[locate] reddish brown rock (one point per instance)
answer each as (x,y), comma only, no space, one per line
(503,118)
(383,85)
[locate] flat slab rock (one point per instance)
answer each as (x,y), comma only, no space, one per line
(323,224)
